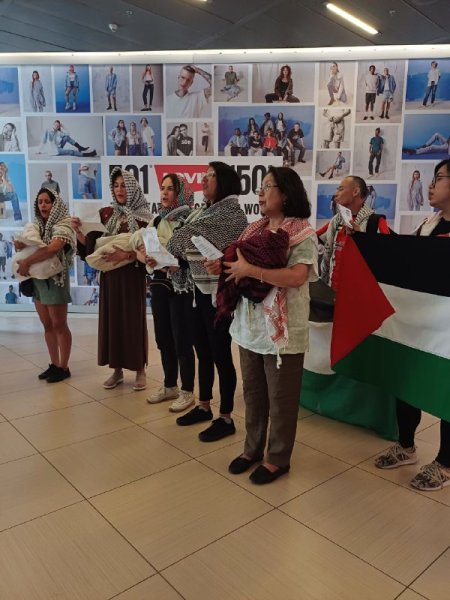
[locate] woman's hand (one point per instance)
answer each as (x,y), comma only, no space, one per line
(213,267)
(19,245)
(75,223)
(150,261)
(239,269)
(117,256)
(23,268)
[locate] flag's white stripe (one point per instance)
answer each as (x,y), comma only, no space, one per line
(422,321)
(317,359)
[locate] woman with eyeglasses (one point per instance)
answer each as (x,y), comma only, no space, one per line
(435,475)
(272,330)
(220,222)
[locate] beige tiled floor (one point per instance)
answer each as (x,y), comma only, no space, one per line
(102,496)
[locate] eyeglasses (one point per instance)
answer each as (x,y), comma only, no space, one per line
(265,188)
(437,178)
(210,174)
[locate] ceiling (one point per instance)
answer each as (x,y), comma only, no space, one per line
(82,25)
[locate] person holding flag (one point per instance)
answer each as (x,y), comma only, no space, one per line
(436,475)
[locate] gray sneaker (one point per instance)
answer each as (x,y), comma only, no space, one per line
(396,456)
(431,478)
(164,393)
(184,401)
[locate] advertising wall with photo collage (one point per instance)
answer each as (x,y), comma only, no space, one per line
(64,126)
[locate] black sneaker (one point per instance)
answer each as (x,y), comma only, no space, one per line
(47,372)
(196,415)
(218,429)
(59,374)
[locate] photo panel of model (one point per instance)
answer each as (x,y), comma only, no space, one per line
(68,136)
(50,175)
(188,91)
(86,180)
(426,137)
(110,88)
(9,292)
(204,138)
(86,275)
(428,84)
(7,252)
(379,91)
(11,139)
(72,88)
(9,92)
(13,190)
(147,88)
(332,164)
(375,151)
(180,138)
(133,135)
(231,83)
(325,203)
(37,89)
(336,83)
(334,128)
(409,223)
(415,182)
(285,131)
(283,83)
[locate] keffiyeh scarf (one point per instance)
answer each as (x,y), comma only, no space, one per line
(329,251)
(57,227)
(221,223)
(135,209)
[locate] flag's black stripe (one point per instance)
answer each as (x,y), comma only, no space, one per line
(408,261)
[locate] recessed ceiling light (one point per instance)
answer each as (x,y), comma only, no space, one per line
(351,18)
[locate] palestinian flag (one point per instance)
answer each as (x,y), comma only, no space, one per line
(392,317)
(343,398)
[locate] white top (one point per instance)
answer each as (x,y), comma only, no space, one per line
(88,170)
(147,134)
(249,326)
(192,105)
(433,76)
(371,83)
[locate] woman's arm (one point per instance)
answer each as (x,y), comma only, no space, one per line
(42,254)
(287,277)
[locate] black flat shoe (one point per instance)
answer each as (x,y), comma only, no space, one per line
(261,475)
(58,375)
(241,464)
(47,372)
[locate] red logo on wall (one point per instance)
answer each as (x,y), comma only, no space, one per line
(192,173)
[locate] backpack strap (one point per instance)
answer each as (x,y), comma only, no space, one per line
(373,222)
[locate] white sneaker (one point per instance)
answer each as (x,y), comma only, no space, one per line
(164,393)
(74,106)
(67,106)
(185,400)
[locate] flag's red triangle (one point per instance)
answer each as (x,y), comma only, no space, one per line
(361,306)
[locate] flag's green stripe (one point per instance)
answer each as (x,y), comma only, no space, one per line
(419,378)
(350,401)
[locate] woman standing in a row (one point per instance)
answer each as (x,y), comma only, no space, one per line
(122,333)
(221,222)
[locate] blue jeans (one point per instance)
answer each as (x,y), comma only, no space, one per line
(13,198)
(431,89)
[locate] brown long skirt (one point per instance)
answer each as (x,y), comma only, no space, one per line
(122,328)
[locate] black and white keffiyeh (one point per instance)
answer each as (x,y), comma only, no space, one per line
(135,209)
(57,227)
(221,223)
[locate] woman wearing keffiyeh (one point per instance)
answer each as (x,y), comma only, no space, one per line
(51,296)
(122,342)
(273,334)
(221,222)
(172,300)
